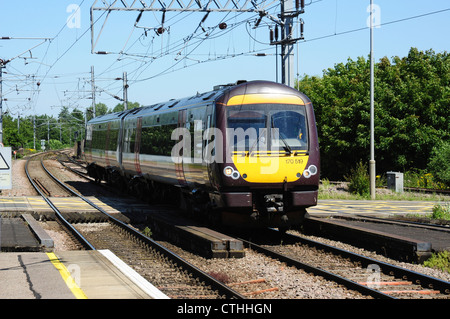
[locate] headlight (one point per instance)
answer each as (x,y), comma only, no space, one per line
(230,172)
(310,171)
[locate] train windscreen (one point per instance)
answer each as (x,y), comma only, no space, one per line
(263,127)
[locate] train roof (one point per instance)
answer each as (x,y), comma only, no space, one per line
(198,99)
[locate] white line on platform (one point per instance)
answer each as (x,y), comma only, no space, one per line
(134,276)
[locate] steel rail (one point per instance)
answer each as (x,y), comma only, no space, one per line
(421,279)
(209,280)
(428,226)
(317,271)
(86,244)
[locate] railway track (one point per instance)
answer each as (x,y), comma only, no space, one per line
(366,275)
(128,243)
(74,166)
(38,177)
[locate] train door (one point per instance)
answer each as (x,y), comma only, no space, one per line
(208,153)
(106,148)
(137,146)
(120,142)
(179,163)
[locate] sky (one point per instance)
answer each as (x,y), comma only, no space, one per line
(50,53)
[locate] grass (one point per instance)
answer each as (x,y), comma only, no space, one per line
(441,211)
(440,260)
(332,191)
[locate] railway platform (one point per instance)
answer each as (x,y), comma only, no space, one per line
(363,223)
(30,270)
(374,208)
(70,275)
(66,204)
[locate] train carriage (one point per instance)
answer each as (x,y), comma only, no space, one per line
(102,145)
(243,154)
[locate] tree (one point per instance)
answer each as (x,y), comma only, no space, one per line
(412,100)
(119,107)
(439,164)
(100,109)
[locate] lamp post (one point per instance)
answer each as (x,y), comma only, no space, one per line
(372,134)
(2,63)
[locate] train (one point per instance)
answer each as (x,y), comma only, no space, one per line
(244,154)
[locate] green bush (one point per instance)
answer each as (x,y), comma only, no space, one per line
(441,212)
(439,164)
(55,145)
(441,261)
(358,180)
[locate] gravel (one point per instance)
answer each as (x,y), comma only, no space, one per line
(21,186)
(414,267)
(281,281)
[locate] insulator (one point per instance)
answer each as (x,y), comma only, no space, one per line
(297,4)
(276,33)
(302,25)
(271,35)
(222,26)
(204,18)
(139,16)
(258,22)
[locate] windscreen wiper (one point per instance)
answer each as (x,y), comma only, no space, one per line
(286,147)
(250,151)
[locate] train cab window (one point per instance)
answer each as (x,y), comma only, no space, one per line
(288,130)
(267,127)
(245,127)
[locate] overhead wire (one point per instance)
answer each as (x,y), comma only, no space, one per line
(377,25)
(139,64)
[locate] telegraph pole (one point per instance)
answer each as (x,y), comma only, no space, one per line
(287,48)
(125,91)
(285,20)
(93,90)
(1,102)
(34,131)
(287,41)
